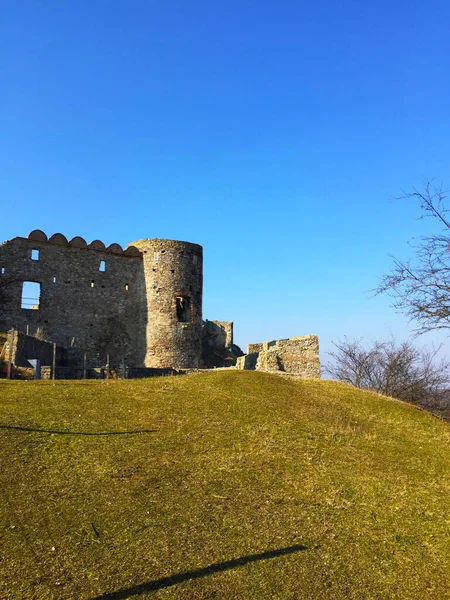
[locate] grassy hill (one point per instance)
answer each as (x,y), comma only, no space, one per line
(222,485)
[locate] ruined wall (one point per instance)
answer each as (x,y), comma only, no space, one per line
(79,305)
(296,355)
(142,305)
(218,349)
(218,334)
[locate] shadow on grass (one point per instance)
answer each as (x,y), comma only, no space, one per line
(30,429)
(165,582)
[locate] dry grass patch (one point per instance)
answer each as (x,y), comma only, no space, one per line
(221,485)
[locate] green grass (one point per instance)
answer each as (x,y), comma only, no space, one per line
(224,465)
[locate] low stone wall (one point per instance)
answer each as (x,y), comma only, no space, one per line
(296,355)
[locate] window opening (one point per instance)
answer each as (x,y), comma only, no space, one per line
(54,279)
(3,270)
(154,284)
(92,283)
(35,254)
(31,294)
(102,266)
(126,287)
(183,309)
(156,256)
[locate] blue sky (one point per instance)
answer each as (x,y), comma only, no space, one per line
(275,134)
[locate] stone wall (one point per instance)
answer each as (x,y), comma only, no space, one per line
(219,334)
(296,355)
(218,349)
(139,305)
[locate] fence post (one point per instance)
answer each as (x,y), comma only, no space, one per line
(54,361)
(11,340)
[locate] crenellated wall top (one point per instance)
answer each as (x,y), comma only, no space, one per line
(58,239)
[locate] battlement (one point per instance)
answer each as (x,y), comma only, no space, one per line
(58,239)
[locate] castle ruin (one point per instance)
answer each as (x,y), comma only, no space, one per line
(140,306)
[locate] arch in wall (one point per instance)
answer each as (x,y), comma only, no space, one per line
(115,248)
(37,235)
(132,251)
(97,245)
(78,242)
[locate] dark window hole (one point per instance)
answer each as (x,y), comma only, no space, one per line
(183,309)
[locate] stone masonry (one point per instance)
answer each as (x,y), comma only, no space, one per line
(141,305)
(296,355)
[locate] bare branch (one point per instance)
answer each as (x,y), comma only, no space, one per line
(421,288)
(402,371)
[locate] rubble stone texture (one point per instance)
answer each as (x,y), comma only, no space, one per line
(296,355)
(141,305)
(218,347)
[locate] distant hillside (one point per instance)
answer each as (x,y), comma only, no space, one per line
(222,485)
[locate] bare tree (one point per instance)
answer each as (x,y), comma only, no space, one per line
(420,288)
(399,370)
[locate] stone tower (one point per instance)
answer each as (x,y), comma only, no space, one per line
(173,279)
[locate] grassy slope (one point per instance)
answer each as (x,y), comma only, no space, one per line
(228,464)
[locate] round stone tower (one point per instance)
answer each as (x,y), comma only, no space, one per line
(173,276)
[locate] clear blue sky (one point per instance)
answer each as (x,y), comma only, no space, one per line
(273,133)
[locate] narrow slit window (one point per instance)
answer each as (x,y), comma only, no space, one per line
(34,254)
(102,266)
(54,279)
(126,287)
(183,309)
(156,256)
(31,295)
(3,270)
(92,284)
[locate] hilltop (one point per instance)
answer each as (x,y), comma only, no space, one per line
(221,485)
